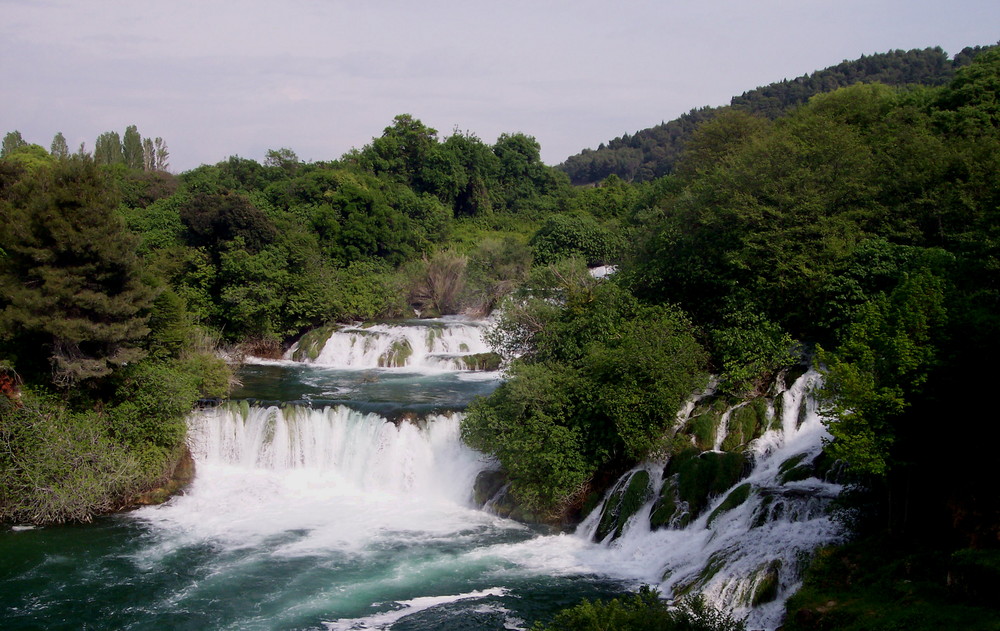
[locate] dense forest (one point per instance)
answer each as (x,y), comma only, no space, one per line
(654,152)
(857,231)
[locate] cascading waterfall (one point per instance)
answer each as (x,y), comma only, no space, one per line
(441,344)
(328,516)
(744,551)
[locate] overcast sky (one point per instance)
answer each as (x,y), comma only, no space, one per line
(216,78)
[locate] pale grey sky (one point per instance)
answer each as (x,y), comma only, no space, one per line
(217,78)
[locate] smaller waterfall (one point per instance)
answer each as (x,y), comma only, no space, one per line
(442,344)
(737,525)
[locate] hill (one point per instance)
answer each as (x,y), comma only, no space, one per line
(651,153)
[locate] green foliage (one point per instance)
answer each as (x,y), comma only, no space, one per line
(641,612)
(888,584)
(496,268)
(567,236)
(71,280)
(605,376)
(529,424)
(214,220)
(59,149)
(887,353)
(29,157)
(750,350)
(12,141)
(438,284)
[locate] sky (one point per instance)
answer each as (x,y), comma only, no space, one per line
(216,78)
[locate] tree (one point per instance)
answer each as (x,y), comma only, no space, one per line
(148,154)
(162,162)
(132,148)
(11,141)
(70,282)
(284,159)
(59,147)
(108,149)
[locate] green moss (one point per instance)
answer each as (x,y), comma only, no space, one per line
(801,472)
(791,463)
(396,356)
(746,423)
(665,507)
(795,469)
(766,588)
(704,428)
(703,476)
(736,497)
(762,512)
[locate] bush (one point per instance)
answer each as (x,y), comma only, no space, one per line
(57,465)
(564,236)
(641,612)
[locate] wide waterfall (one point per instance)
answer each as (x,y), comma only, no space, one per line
(350,451)
(337,495)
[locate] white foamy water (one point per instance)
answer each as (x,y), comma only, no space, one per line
(433,344)
(342,475)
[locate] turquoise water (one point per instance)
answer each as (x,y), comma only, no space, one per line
(376,533)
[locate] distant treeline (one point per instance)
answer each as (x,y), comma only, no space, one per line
(653,152)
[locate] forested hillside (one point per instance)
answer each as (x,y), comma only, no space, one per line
(651,153)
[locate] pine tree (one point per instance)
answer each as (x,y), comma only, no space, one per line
(59,148)
(70,280)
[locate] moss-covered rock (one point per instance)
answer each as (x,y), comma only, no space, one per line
(311,344)
(768,583)
(795,469)
(488,484)
(492,492)
(746,423)
(704,422)
(690,480)
(481,361)
(624,502)
(703,476)
(665,508)
(736,497)
(397,355)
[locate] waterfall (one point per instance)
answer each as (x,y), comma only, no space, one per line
(744,547)
(354,450)
(441,344)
